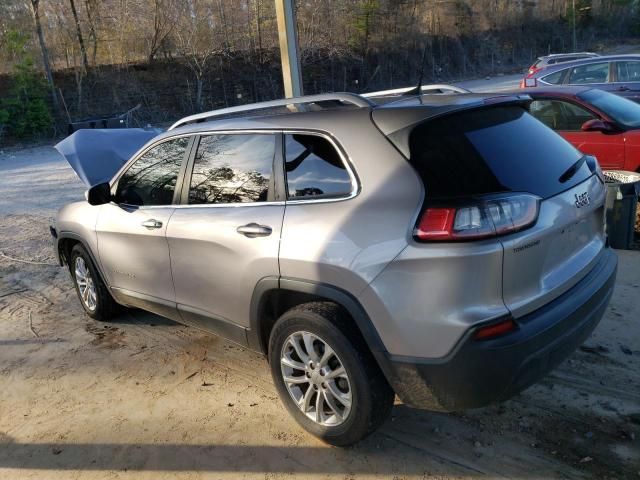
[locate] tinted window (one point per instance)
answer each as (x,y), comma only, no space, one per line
(628,71)
(553,78)
(492,150)
(560,115)
(151,179)
(622,110)
(592,73)
(232,169)
(314,168)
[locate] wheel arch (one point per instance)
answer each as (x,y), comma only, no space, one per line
(273,296)
(66,242)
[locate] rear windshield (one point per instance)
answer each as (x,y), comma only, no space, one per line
(622,110)
(491,150)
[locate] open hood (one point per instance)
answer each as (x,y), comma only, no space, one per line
(97,154)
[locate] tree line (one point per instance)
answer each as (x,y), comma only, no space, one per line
(66,59)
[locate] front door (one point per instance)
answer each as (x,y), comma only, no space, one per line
(567,119)
(225,236)
(131,230)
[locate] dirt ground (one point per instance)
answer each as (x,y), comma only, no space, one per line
(143,397)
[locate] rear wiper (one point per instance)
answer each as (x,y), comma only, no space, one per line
(571,171)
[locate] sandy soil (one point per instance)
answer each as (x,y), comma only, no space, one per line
(143,397)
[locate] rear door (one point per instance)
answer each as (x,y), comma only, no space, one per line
(225,236)
(567,118)
(546,260)
(627,79)
(598,75)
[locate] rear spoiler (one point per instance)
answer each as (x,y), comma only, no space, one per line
(397,123)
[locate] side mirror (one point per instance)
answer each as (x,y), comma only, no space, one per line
(596,125)
(99,194)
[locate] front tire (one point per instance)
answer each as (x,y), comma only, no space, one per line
(325,375)
(92,292)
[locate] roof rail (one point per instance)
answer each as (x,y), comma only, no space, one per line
(351,98)
(426,89)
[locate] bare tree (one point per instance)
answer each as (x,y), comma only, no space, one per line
(91,7)
(35,10)
(83,50)
(195,43)
(164,21)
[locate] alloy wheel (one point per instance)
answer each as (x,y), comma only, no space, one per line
(86,285)
(316,379)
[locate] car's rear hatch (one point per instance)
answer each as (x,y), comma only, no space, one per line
(467,155)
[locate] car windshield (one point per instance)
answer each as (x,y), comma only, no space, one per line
(622,110)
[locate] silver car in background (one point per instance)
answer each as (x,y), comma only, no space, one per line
(619,74)
(449,249)
(555,58)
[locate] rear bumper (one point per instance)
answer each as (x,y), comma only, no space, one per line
(478,373)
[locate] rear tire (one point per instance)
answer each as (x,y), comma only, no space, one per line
(92,292)
(346,383)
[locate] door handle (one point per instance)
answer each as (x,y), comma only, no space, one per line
(152,223)
(253,230)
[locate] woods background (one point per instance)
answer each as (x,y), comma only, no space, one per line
(63,59)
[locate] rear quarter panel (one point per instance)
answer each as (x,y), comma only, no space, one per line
(432,293)
(347,243)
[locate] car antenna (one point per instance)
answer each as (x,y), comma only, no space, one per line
(418,88)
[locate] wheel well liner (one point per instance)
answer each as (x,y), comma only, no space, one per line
(273,296)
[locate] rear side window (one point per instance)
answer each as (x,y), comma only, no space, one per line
(628,71)
(232,169)
(491,150)
(151,179)
(553,78)
(314,168)
(559,115)
(592,73)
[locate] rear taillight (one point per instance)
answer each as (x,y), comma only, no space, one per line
(480,218)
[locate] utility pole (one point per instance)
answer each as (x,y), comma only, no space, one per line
(287,33)
(575,40)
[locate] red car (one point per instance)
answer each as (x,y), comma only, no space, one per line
(594,121)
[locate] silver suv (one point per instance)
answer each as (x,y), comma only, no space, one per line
(449,249)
